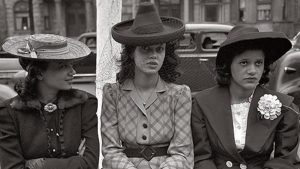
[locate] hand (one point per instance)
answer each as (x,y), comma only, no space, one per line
(81,148)
(35,163)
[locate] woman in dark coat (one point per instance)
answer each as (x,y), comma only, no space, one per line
(239,123)
(48,125)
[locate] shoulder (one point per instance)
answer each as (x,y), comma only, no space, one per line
(177,89)
(210,94)
(74,97)
(286,100)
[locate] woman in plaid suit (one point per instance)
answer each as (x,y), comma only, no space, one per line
(145,117)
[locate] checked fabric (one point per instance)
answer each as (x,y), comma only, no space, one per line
(163,120)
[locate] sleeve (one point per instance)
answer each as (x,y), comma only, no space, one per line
(112,149)
(10,149)
(181,145)
(286,140)
(202,148)
(90,158)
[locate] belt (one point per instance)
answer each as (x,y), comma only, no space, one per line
(146,152)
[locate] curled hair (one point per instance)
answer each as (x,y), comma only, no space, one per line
(223,67)
(167,72)
(27,88)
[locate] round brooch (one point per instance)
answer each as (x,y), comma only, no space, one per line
(50,107)
(269,107)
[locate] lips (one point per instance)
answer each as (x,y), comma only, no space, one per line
(251,78)
(152,63)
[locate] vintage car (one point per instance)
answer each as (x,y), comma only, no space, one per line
(286,75)
(197,51)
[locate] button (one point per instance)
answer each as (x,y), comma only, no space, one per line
(57,134)
(51,130)
(229,164)
(53,150)
(243,166)
(145,125)
(144,137)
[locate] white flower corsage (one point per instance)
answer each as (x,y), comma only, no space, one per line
(269,107)
(50,107)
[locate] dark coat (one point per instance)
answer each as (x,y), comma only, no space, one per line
(213,136)
(24,134)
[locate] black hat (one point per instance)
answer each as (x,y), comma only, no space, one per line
(275,44)
(147,28)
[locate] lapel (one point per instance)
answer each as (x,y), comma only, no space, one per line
(220,117)
(129,86)
(258,130)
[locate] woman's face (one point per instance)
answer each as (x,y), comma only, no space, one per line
(247,69)
(149,59)
(58,76)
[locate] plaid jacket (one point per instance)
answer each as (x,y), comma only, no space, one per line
(167,116)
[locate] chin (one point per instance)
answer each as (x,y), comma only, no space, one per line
(250,86)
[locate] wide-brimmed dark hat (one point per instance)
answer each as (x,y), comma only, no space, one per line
(274,44)
(147,28)
(46,47)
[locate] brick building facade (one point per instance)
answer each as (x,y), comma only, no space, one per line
(65,17)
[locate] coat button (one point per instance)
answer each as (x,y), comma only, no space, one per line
(145,125)
(53,150)
(229,164)
(144,137)
(243,166)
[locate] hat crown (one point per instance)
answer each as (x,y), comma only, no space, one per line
(46,41)
(147,20)
(241,30)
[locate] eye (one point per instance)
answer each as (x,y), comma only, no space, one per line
(258,63)
(145,48)
(243,62)
(160,49)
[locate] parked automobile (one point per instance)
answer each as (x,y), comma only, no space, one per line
(197,51)
(286,75)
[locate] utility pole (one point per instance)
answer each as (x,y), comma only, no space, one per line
(31,21)
(108,51)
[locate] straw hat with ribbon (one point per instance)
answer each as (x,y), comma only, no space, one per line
(274,44)
(46,47)
(147,28)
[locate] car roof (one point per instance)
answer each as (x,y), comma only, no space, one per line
(87,34)
(207,27)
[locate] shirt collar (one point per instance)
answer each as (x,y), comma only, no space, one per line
(160,86)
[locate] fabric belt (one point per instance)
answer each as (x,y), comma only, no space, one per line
(146,152)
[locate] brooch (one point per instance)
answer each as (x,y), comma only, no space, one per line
(50,107)
(269,107)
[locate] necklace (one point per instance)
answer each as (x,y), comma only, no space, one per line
(144,100)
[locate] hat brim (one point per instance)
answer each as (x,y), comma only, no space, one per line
(173,29)
(275,45)
(77,50)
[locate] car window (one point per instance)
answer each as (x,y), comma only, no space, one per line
(213,40)
(188,41)
(86,65)
(91,42)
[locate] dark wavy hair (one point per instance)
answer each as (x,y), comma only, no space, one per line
(223,66)
(167,72)
(27,88)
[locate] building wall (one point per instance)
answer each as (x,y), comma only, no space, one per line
(3,23)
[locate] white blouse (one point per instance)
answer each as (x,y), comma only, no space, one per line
(239,118)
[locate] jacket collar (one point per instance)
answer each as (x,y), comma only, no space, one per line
(66,99)
(128,85)
(220,119)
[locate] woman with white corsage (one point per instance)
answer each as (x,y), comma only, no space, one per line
(239,123)
(48,125)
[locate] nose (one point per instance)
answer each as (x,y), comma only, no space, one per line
(251,69)
(72,71)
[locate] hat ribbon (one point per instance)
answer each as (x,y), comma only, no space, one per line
(33,52)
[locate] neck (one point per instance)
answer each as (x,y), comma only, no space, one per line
(46,94)
(239,94)
(145,81)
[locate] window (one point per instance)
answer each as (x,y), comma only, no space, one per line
(263,10)
(211,13)
(170,8)
(213,40)
(242,10)
(21,11)
(188,41)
